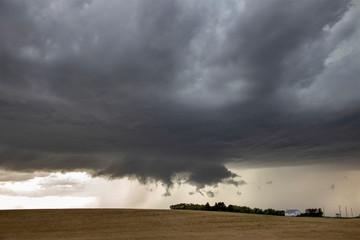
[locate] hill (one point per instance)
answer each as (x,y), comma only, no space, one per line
(167,224)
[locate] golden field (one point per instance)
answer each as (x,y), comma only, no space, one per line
(167,224)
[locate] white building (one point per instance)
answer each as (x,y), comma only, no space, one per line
(292,213)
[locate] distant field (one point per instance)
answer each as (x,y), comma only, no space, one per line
(167,224)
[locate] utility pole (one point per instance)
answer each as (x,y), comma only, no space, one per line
(324,210)
(346,210)
(352,213)
(340,210)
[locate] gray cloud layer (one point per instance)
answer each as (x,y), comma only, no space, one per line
(150,89)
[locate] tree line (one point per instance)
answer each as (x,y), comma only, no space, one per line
(313,212)
(220,206)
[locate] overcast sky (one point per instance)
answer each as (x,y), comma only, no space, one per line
(161,90)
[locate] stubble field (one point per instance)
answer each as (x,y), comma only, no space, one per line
(167,224)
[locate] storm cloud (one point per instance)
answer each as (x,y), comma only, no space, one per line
(153,89)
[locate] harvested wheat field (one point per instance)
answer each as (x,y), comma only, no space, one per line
(167,224)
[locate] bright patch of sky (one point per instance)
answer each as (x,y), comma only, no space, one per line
(279,188)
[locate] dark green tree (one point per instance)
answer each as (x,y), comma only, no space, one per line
(313,212)
(221,206)
(230,208)
(207,206)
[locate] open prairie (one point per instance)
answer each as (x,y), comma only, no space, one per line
(167,224)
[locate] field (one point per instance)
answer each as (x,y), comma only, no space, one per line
(167,224)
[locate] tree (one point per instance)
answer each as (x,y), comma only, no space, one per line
(230,208)
(258,211)
(313,212)
(221,206)
(207,206)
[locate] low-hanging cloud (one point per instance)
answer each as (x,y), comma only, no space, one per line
(152,89)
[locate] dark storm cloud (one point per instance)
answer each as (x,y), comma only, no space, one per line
(284,36)
(152,89)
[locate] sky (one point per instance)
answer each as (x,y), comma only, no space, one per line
(148,103)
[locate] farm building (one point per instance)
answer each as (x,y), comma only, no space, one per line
(292,213)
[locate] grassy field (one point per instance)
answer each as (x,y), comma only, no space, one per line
(167,224)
